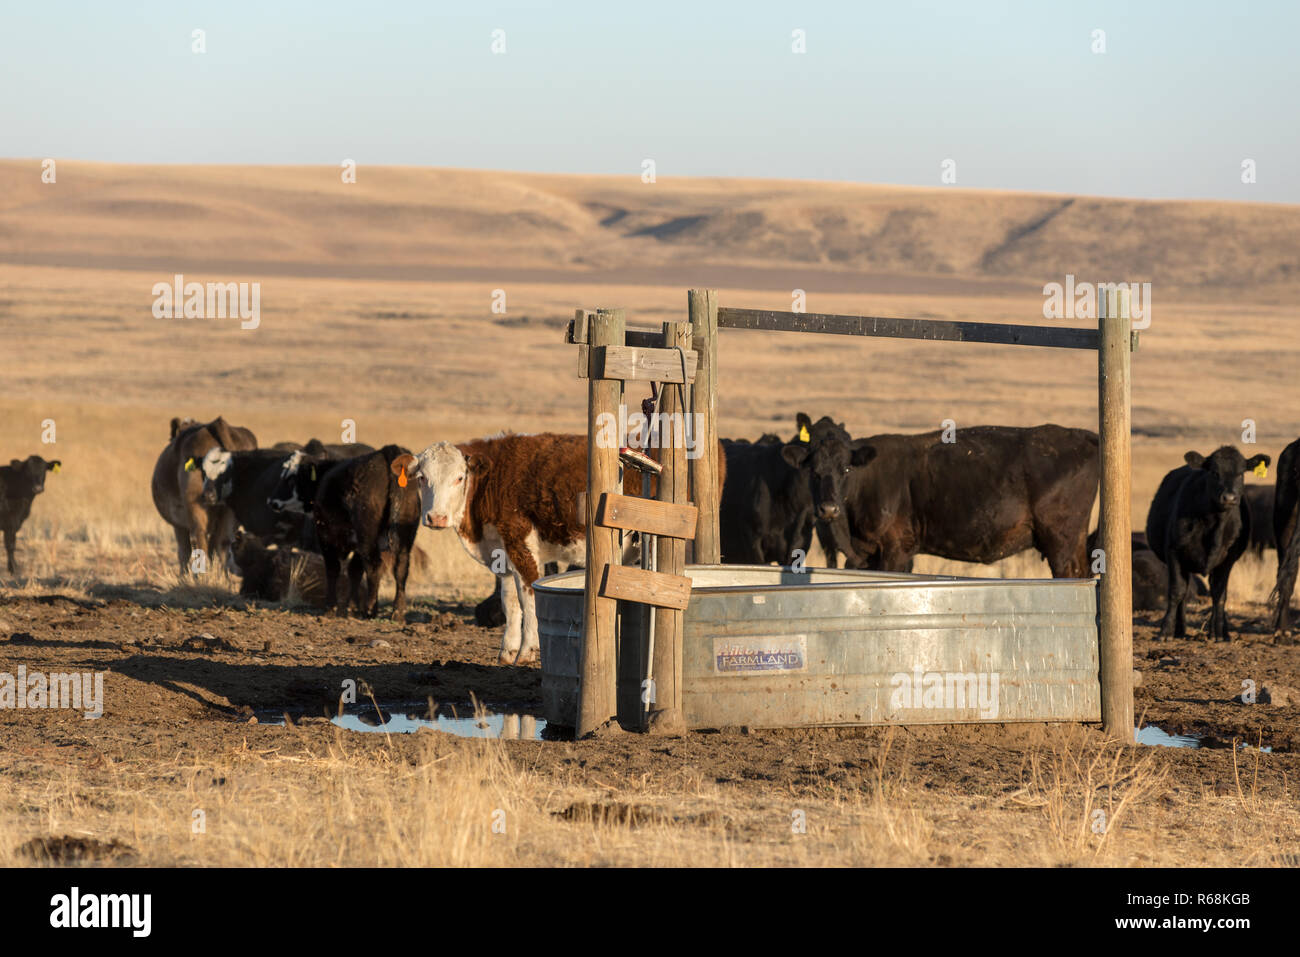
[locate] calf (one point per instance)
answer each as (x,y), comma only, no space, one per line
(513,496)
(20,482)
(776,493)
(1286,531)
(1198,523)
(363,509)
(295,489)
(177,486)
(990,493)
(274,572)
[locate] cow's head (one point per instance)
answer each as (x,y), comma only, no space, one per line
(29,474)
(826,451)
(1225,470)
(296,489)
(218,480)
(441,474)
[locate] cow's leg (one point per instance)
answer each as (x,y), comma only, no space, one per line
(511,637)
(331,557)
(367,570)
(182,547)
(221,531)
(1174,623)
(401,568)
(198,538)
(531,646)
(1219,602)
(525,567)
(10,537)
(895,558)
(1066,554)
(1285,587)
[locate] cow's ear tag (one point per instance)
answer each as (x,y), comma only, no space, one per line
(1262,470)
(313,473)
(803,434)
(189,465)
(57,468)
(401,477)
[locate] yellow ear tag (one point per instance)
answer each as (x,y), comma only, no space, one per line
(803,434)
(313,473)
(401,477)
(189,465)
(1261,470)
(57,468)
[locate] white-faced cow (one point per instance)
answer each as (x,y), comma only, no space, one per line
(1199,524)
(513,501)
(20,482)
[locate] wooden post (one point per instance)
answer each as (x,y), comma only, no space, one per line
(666,715)
(702,306)
(597,693)
(1115,600)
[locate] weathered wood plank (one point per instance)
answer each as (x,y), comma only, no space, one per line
(1115,594)
(638,338)
(628,583)
(942,330)
(702,307)
(597,689)
(647,515)
(632,364)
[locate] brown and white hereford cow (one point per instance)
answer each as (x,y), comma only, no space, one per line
(512,497)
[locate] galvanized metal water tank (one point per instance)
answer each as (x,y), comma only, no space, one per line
(770,647)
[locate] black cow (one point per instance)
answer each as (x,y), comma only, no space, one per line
(990,493)
(243,481)
(776,492)
(1199,524)
(300,476)
(1286,510)
(1259,500)
(360,509)
(20,482)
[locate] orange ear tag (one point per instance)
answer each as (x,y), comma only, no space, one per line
(401,477)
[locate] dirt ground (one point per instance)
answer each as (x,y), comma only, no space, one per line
(193,683)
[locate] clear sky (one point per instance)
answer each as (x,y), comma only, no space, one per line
(1011,91)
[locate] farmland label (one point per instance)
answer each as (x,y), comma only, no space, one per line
(767,654)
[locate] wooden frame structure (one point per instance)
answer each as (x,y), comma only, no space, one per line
(683,356)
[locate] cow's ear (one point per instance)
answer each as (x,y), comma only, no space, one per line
(403,465)
(795,454)
(1194,459)
(803,421)
(1258,464)
(56,466)
(476,464)
(862,455)
(15,463)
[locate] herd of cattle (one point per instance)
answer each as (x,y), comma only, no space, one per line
(973,495)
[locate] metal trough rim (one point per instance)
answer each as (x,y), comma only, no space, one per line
(855,578)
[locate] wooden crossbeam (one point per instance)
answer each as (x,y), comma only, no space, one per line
(631,363)
(647,515)
(576,331)
(942,330)
(627,583)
